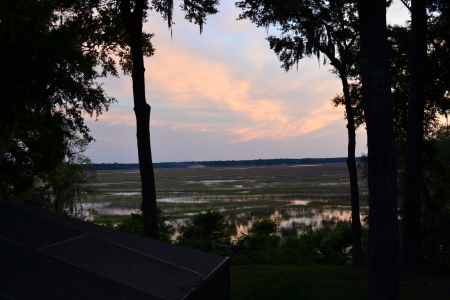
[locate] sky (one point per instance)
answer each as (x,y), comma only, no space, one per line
(222,95)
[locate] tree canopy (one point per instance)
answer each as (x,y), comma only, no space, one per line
(319,28)
(47,85)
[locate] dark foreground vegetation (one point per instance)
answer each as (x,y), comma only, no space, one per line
(312,265)
(209,231)
(333,282)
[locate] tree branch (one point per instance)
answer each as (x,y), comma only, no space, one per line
(406,5)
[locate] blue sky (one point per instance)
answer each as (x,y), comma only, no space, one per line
(222,95)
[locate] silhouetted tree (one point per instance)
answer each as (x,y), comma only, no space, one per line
(132,20)
(411,113)
(412,255)
(328,28)
(72,180)
(424,81)
(132,14)
(47,82)
(382,166)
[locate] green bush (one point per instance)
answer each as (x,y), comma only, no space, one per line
(260,246)
(310,237)
(293,251)
(335,248)
(135,224)
(266,226)
(436,239)
(257,249)
(208,231)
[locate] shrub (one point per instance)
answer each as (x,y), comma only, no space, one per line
(436,240)
(208,231)
(310,237)
(135,224)
(260,246)
(257,249)
(266,226)
(334,249)
(318,247)
(294,251)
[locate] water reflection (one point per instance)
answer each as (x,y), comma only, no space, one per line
(210,182)
(290,220)
(293,195)
(290,217)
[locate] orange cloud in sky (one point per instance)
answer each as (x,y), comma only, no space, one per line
(183,125)
(116,116)
(123,117)
(190,82)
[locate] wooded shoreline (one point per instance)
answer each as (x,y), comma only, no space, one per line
(223,163)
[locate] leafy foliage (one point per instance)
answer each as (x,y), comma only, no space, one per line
(311,28)
(328,29)
(135,224)
(435,194)
(207,231)
(436,241)
(72,179)
(47,83)
(131,15)
(260,245)
(436,97)
(265,226)
(436,170)
(309,247)
(334,248)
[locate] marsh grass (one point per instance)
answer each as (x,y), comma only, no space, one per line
(243,194)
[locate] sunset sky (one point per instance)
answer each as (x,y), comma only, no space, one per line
(222,95)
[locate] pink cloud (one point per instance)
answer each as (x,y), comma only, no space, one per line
(191,82)
(118,116)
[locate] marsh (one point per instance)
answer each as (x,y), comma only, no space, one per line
(293,195)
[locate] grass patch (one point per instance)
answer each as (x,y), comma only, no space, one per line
(326,282)
(298,282)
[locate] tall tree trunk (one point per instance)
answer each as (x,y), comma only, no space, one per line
(357,257)
(133,25)
(412,255)
(357,252)
(382,166)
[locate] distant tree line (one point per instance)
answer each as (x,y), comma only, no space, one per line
(223,163)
